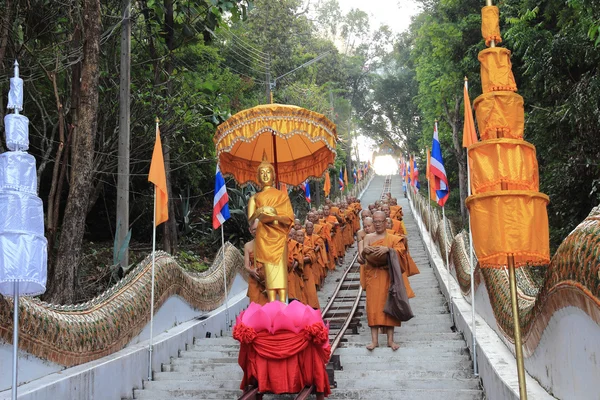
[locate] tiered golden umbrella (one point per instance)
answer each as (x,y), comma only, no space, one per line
(509,221)
(300,143)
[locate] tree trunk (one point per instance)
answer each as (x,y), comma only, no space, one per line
(61,287)
(453,118)
(170,227)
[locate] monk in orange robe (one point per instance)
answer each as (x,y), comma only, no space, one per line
(335,221)
(360,235)
(256,274)
(310,260)
(295,265)
(377,279)
(315,242)
(397,226)
(397,214)
(322,229)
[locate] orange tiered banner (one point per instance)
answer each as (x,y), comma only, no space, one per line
(500,113)
(490,26)
(508,214)
(498,161)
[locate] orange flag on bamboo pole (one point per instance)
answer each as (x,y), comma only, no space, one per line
(469,134)
(327,184)
(430,178)
(346,178)
(158,176)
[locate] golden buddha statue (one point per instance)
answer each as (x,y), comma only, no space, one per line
(274,212)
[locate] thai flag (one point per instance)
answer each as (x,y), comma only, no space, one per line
(306,187)
(355,175)
(438,171)
(341,180)
(221,201)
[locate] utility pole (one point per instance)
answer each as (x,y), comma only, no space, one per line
(268,79)
(124,134)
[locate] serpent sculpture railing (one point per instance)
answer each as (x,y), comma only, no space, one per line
(75,334)
(572,278)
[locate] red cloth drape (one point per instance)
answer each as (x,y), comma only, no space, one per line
(284,362)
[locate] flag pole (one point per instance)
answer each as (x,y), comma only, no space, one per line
(471,261)
(152,290)
(448,265)
(15,380)
(224,276)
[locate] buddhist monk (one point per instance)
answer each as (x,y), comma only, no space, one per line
(323,229)
(360,235)
(310,259)
(315,242)
(295,266)
(397,226)
(397,213)
(256,274)
(272,208)
(377,279)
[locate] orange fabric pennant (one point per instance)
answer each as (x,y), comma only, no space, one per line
(432,193)
(158,177)
(327,184)
(469,134)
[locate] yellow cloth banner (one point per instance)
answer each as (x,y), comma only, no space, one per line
(327,184)
(158,176)
(500,114)
(430,178)
(490,25)
(496,70)
(510,222)
(498,161)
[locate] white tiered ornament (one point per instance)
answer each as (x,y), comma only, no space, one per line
(23,247)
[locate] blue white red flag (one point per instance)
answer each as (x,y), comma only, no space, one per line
(341,180)
(306,187)
(438,171)
(355,175)
(221,201)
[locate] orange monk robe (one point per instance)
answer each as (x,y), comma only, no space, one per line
(338,243)
(412,266)
(310,287)
(256,290)
(320,267)
(356,208)
(377,283)
(396,214)
(398,227)
(348,228)
(323,229)
(295,281)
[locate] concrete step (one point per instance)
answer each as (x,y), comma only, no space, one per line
(415,394)
(210,394)
(398,384)
(403,352)
(462,364)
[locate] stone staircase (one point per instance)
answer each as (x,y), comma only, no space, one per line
(433,362)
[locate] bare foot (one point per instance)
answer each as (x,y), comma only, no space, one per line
(393,345)
(371,346)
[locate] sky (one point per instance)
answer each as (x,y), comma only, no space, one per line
(395,13)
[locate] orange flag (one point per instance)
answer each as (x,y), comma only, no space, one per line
(430,179)
(469,134)
(346,178)
(327,184)
(158,176)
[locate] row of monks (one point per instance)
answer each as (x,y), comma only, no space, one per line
(383,232)
(314,248)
